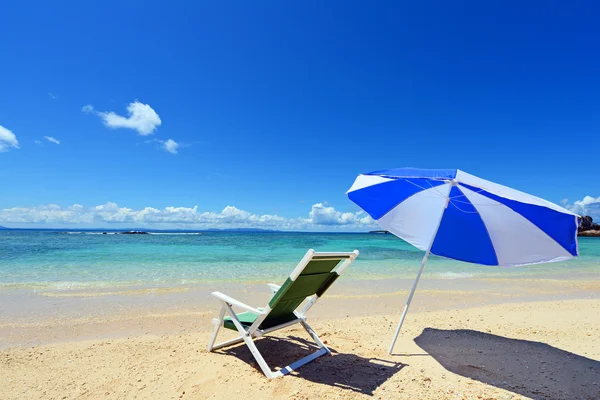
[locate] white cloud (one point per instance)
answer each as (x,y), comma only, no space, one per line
(323,215)
(52,96)
(52,140)
(142,118)
(170,145)
(319,218)
(7,139)
(587,206)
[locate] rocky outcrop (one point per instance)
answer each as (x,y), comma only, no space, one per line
(590,233)
(134,233)
(587,227)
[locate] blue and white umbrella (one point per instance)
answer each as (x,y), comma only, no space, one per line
(450,213)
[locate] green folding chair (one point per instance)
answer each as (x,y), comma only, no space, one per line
(288,306)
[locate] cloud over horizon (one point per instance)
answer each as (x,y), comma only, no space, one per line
(319,218)
(142,118)
(587,206)
(7,140)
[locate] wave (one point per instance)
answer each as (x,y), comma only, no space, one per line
(121,232)
(66,285)
(453,275)
(175,233)
(88,233)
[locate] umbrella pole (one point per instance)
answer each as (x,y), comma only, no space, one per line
(410,296)
(412,292)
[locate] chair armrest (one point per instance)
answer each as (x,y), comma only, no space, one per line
(233,302)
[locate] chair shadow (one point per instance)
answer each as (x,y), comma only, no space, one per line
(346,371)
(531,369)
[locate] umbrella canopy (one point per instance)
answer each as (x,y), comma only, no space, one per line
(465,217)
(450,213)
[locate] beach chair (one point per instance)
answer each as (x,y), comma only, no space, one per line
(288,306)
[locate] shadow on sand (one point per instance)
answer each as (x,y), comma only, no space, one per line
(532,369)
(346,371)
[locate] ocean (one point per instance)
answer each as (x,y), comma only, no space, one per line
(62,261)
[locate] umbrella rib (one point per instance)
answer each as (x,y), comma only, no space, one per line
(422,188)
(449,198)
(463,211)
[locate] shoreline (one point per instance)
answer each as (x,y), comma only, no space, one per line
(32,318)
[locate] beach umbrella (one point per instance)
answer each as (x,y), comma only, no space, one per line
(450,213)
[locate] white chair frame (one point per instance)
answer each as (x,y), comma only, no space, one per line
(251,333)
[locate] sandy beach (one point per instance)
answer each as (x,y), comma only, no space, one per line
(544,344)
(164,163)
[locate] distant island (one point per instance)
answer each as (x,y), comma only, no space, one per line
(141,231)
(380,232)
(241,230)
(3,227)
(587,227)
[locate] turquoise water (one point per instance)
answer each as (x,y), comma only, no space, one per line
(62,261)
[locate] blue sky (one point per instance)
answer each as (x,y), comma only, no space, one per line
(273,108)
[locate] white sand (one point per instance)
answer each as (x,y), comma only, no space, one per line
(542,350)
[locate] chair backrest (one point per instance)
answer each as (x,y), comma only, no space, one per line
(313,276)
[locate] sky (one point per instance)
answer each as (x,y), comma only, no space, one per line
(242,114)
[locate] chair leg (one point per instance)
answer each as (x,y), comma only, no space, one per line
(218,323)
(228,343)
(247,338)
(259,358)
(295,365)
(315,337)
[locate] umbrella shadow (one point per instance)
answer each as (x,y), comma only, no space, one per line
(529,368)
(346,371)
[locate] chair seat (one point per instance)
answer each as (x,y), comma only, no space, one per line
(246,318)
